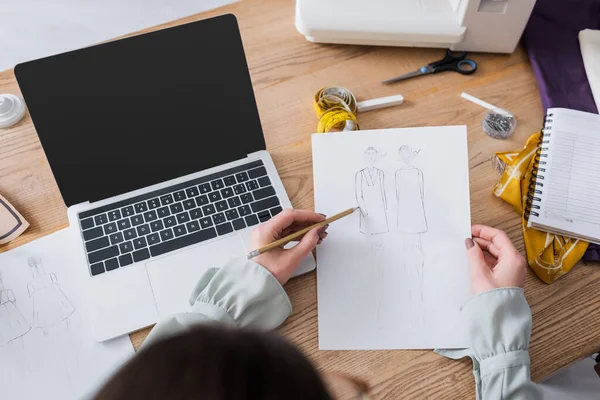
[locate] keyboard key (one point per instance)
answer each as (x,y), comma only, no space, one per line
(97,244)
(238,224)
(217,184)
(189,204)
(170,221)
(167,234)
(187,240)
(234,202)
(163,212)
(126,247)
(97,269)
(263,193)
(116,238)
(192,192)
(179,195)
(114,215)
(125,259)
(153,239)
(224,229)
(231,214)
(239,189)
(176,208)
(153,203)
(246,198)
(111,264)
(110,228)
(100,219)
(214,196)
(241,177)
(195,213)
(150,216)
(202,200)
(166,199)
(209,209)
(179,230)
(251,220)
(139,243)
(219,218)
(252,185)
(143,230)
(244,210)
(105,253)
(264,216)
(183,217)
(264,181)
(141,207)
(204,188)
(265,204)
(256,172)
(127,211)
(141,255)
(93,233)
(123,224)
(229,180)
(130,234)
(137,220)
(221,205)
(156,226)
(227,192)
(276,210)
(86,223)
(205,222)
(193,226)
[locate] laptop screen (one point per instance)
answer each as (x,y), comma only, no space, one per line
(135,112)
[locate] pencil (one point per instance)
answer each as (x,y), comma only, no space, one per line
(285,240)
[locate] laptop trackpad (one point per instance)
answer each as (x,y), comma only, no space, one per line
(174,277)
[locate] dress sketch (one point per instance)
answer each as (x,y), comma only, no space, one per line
(370,196)
(50,305)
(411,217)
(12,323)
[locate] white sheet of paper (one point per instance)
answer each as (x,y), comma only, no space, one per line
(46,347)
(31,29)
(396,277)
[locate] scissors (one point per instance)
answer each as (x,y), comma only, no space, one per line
(454,61)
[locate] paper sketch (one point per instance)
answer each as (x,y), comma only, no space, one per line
(397,286)
(370,196)
(42,310)
(12,323)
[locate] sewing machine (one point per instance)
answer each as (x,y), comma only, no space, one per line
(469,25)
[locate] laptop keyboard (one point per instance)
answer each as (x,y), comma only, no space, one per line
(168,219)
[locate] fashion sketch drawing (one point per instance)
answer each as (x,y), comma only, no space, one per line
(370,196)
(12,323)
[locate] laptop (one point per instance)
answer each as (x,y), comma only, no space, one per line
(156,145)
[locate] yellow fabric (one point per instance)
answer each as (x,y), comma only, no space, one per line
(549,255)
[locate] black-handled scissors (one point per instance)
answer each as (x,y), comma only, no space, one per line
(454,61)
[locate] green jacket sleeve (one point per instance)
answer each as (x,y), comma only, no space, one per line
(499,328)
(241,293)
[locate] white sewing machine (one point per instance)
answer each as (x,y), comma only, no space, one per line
(468,25)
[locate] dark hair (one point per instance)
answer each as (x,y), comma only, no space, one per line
(217,364)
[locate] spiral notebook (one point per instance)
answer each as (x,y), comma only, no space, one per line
(564,195)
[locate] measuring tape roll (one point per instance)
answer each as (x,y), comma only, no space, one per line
(336,108)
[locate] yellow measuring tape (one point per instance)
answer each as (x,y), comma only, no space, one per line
(336,108)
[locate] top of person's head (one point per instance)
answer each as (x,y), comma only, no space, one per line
(212,363)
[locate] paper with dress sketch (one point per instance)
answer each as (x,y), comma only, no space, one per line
(394,274)
(46,347)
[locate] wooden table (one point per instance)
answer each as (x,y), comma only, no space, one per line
(286,72)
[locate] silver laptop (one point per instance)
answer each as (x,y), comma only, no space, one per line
(157,148)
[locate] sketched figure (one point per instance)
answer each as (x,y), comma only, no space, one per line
(412,221)
(370,195)
(12,323)
(50,305)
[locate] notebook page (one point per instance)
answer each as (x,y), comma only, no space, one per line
(571,191)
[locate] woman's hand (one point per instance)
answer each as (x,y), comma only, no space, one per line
(280,262)
(494,260)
